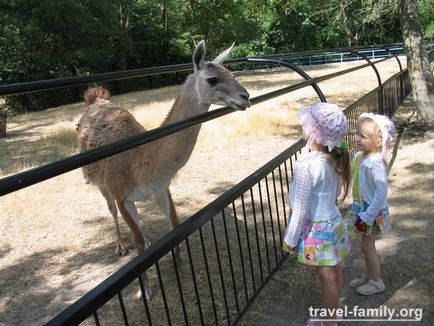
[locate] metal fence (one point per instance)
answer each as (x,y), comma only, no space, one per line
(310,58)
(229,249)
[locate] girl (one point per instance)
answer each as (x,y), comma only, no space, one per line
(369,212)
(316,225)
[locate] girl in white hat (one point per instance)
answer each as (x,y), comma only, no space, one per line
(370,212)
(316,230)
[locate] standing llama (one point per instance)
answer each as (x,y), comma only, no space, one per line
(147,170)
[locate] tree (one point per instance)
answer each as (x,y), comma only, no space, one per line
(421,73)
(43,40)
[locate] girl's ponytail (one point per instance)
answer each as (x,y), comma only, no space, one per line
(343,166)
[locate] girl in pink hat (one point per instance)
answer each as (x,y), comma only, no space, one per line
(370,212)
(316,230)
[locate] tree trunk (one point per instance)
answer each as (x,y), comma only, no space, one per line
(352,40)
(421,74)
(124,22)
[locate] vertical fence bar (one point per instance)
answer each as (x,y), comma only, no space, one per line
(96,318)
(271,215)
(178,283)
(286,176)
(145,301)
(248,243)
(208,278)
(230,262)
(284,211)
(257,236)
(193,275)
(292,167)
(163,294)
(263,225)
(222,282)
(241,251)
(124,313)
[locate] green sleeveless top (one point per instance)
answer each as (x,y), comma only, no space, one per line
(355,163)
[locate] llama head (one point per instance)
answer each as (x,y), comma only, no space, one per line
(214,83)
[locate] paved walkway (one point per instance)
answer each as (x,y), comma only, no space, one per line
(407,254)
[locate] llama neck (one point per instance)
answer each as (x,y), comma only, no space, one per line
(175,150)
(186,105)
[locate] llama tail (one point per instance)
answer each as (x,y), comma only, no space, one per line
(94,93)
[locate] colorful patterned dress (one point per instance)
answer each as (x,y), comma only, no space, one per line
(315,224)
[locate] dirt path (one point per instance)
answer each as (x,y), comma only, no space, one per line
(407,254)
(57,237)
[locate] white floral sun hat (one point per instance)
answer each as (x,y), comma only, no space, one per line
(386,126)
(324,123)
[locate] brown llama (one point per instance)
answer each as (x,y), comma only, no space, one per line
(147,170)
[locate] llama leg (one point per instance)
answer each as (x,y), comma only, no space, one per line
(120,246)
(165,202)
(129,213)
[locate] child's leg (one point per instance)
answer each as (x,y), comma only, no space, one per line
(339,278)
(372,262)
(330,289)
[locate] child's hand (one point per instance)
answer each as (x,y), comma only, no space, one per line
(360,225)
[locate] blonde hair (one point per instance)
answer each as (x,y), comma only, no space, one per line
(376,133)
(375,130)
(343,168)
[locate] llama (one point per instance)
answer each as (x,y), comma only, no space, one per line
(147,170)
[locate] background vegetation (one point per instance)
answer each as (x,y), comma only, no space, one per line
(49,39)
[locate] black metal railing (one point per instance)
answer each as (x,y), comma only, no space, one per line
(41,173)
(229,249)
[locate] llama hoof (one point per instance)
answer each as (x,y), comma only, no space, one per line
(121,250)
(148,294)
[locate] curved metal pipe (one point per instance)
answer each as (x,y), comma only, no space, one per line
(396,57)
(380,85)
(401,82)
(301,72)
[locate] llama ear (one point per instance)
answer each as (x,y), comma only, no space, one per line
(199,55)
(222,56)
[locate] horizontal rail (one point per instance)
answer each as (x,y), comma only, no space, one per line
(43,85)
(51,84)
(32,176)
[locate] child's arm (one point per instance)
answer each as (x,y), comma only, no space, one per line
(300,206)
(379,174)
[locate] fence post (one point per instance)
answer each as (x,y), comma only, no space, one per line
(401,81)
(380,85)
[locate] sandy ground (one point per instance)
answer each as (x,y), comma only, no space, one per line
(57,237)
(407,254)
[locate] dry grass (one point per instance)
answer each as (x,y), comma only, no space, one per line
(41,137)
(57,237)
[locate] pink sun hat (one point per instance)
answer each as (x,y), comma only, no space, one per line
(324,123)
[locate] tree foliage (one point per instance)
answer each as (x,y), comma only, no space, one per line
(49,39)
